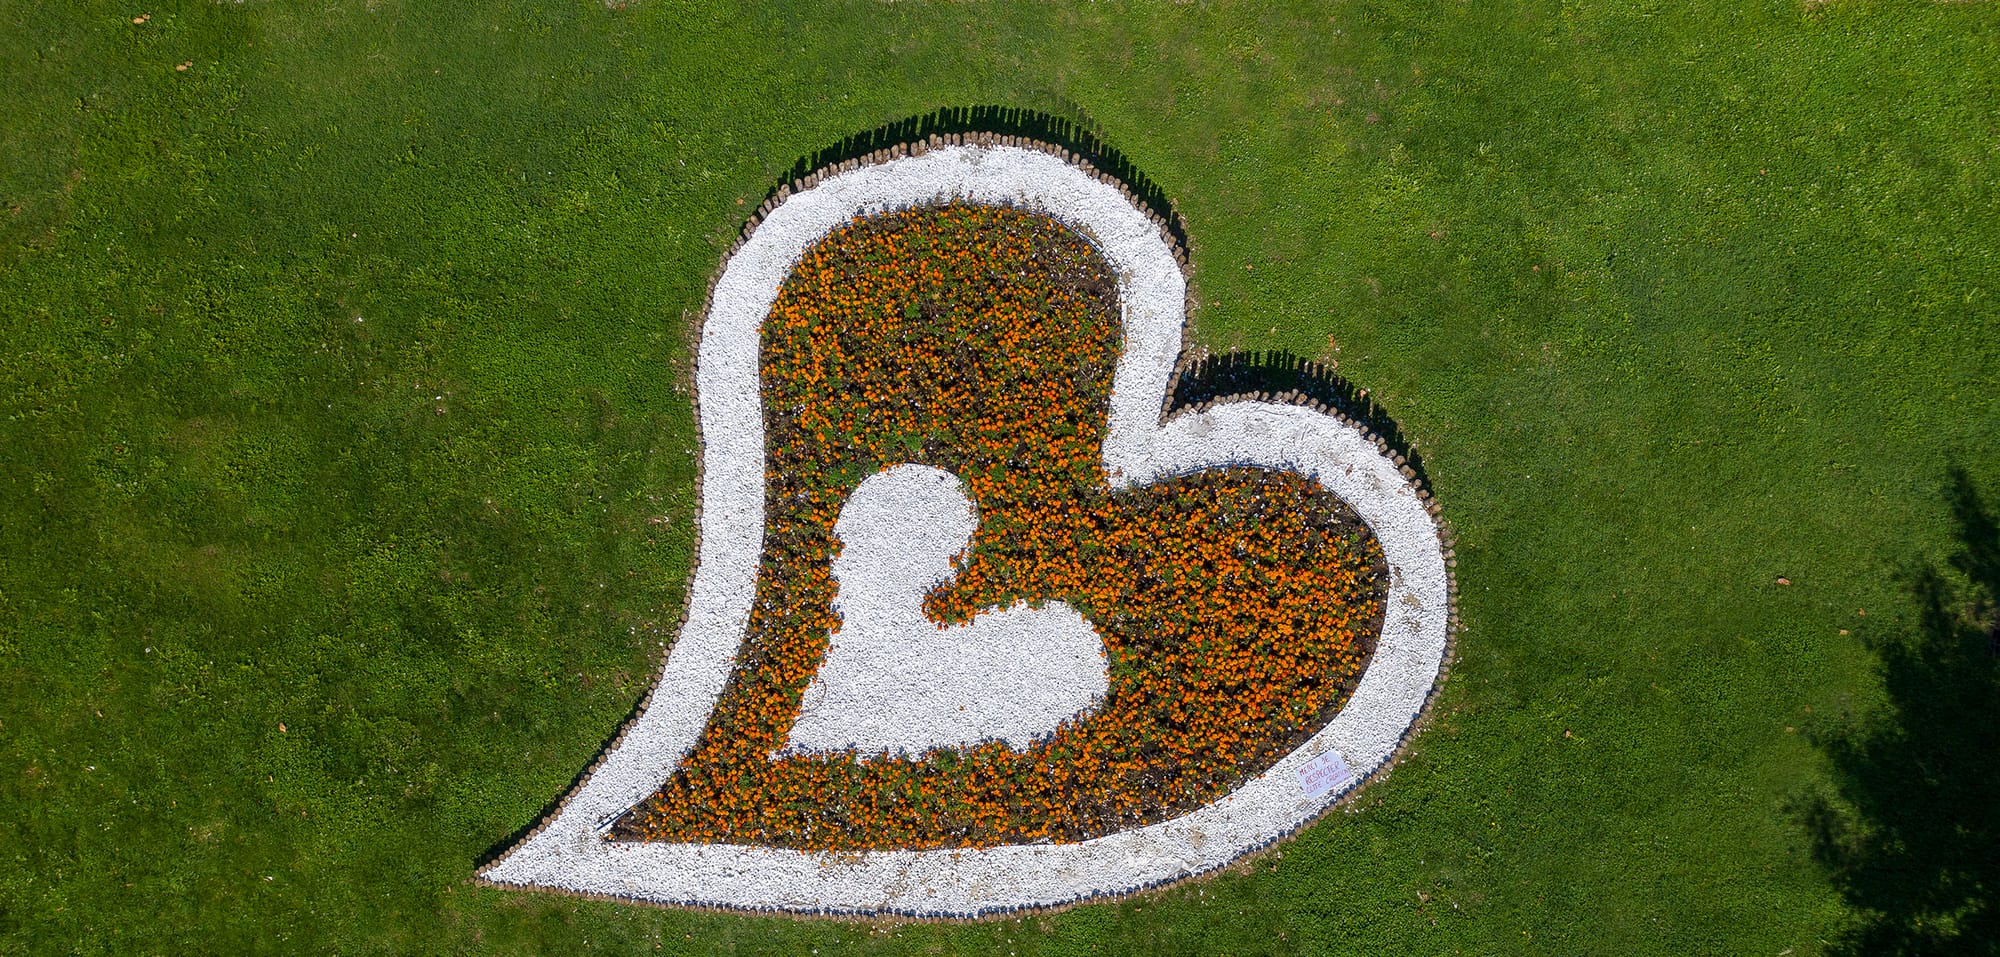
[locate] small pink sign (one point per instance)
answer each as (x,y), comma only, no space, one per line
(1324,773)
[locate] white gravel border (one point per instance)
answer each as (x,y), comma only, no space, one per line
(568,852)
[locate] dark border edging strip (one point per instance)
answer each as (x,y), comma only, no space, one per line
(1071,139)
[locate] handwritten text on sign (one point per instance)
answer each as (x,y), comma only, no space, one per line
(1323,774)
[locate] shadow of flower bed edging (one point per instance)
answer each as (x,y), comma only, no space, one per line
(1280,376)
(1073,140)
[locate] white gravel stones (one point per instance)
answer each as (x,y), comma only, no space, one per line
(892,680)
(569,852)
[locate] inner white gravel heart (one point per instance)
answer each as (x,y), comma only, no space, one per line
(895,680)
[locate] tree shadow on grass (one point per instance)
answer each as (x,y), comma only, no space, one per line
(1910,835)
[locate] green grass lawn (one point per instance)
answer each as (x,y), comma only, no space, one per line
(344,386)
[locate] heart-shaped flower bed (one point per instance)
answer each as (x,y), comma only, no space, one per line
(973,626)
(1236,606)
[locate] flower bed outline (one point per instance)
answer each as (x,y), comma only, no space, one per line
(1287,432)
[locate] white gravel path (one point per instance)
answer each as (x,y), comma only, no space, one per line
(569,853)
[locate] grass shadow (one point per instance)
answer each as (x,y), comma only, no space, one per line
(1910,833)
